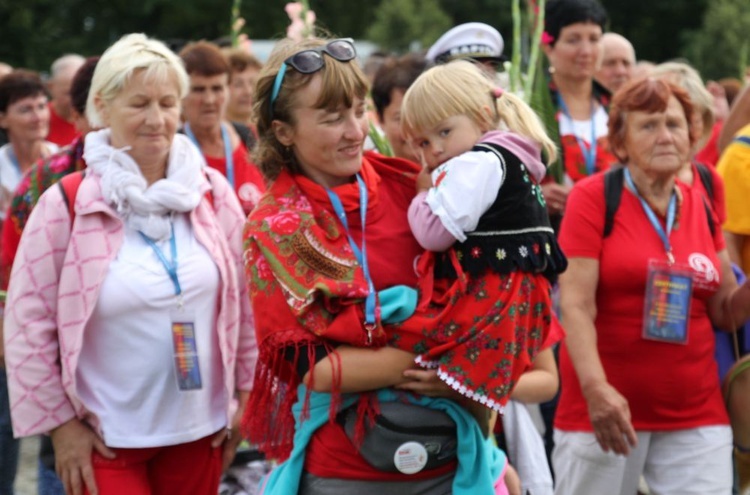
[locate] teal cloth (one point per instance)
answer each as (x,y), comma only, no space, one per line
(397,303)
(480,461)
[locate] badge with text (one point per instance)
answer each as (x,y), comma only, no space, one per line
(410,458)
(186,366)
(666,313)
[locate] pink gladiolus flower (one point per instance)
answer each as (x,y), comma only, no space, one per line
(245,43)
(294,10)
(295,30)
(547,38)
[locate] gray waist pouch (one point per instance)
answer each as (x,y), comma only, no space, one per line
(399,423)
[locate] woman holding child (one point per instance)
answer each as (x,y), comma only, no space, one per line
(330,257)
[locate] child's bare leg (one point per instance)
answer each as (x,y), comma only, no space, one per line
(481,413)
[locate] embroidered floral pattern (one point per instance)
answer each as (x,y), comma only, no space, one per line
(482,341)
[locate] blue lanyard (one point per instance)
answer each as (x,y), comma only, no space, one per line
(588,154)
(671,214)
(170,267)
(360,254)
(228,158)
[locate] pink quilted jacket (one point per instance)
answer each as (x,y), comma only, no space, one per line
(55,284)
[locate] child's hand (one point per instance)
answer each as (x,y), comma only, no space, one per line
(427,382)
(424,180)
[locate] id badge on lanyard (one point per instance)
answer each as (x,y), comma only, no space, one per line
(669,285)
(666,309)
(186,363)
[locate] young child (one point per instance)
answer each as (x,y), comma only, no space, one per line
(485,293)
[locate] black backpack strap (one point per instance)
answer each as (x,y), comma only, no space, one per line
(704,174)
(613,183)
(709,216)
(246,135)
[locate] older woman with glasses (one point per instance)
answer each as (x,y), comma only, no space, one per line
(329,254)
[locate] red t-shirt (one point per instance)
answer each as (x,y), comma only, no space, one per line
(61,132)
(668,386)
(710,152)
(248,181)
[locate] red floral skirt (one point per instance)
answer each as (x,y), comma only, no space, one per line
(480,334)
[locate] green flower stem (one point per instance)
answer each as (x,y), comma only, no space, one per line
(309,30)
(380,141)
(235,25)
(515,67)
(536,42)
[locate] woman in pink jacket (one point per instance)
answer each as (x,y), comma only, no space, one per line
(128,331)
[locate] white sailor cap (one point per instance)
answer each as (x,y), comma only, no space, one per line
(474,40)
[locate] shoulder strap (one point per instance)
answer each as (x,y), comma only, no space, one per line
(613,182)
(709,216)
(246,135)
(69,187)
(704,174)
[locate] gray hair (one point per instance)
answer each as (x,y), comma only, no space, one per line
(70,62)
(130,54)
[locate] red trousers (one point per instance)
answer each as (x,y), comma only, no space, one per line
(191,468)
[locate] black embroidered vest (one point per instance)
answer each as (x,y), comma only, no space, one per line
(514,233)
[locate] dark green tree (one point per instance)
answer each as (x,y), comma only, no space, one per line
(399,23)
(720,48)
(655,27)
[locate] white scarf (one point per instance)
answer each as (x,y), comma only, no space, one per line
(145,208)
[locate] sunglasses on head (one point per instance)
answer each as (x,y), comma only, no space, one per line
(311,60)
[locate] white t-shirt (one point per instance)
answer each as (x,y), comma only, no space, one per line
(582,128)
(126,372)
(10,174)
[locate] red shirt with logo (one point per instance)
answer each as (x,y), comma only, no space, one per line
(668,386)
(248,181)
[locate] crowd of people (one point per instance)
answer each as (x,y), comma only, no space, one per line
(375,276)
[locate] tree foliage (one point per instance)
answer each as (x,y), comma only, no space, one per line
(655,27)
(33,33)
(720,47)
(399,23)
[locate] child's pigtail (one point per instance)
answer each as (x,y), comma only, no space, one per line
(520,118)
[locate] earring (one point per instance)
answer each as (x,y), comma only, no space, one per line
(551,70)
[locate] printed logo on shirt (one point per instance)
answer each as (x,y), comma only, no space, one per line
(706,273)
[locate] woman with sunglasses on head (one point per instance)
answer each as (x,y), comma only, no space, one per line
(329,253)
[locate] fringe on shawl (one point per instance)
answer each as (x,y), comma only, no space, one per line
(268,421)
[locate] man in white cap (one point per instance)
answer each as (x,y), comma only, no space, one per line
(618,62)
(473,40)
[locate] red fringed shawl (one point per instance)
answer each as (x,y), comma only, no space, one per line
(307,291)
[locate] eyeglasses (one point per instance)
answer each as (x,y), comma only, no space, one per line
(311,60)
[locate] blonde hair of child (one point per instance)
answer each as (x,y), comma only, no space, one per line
(461,88)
